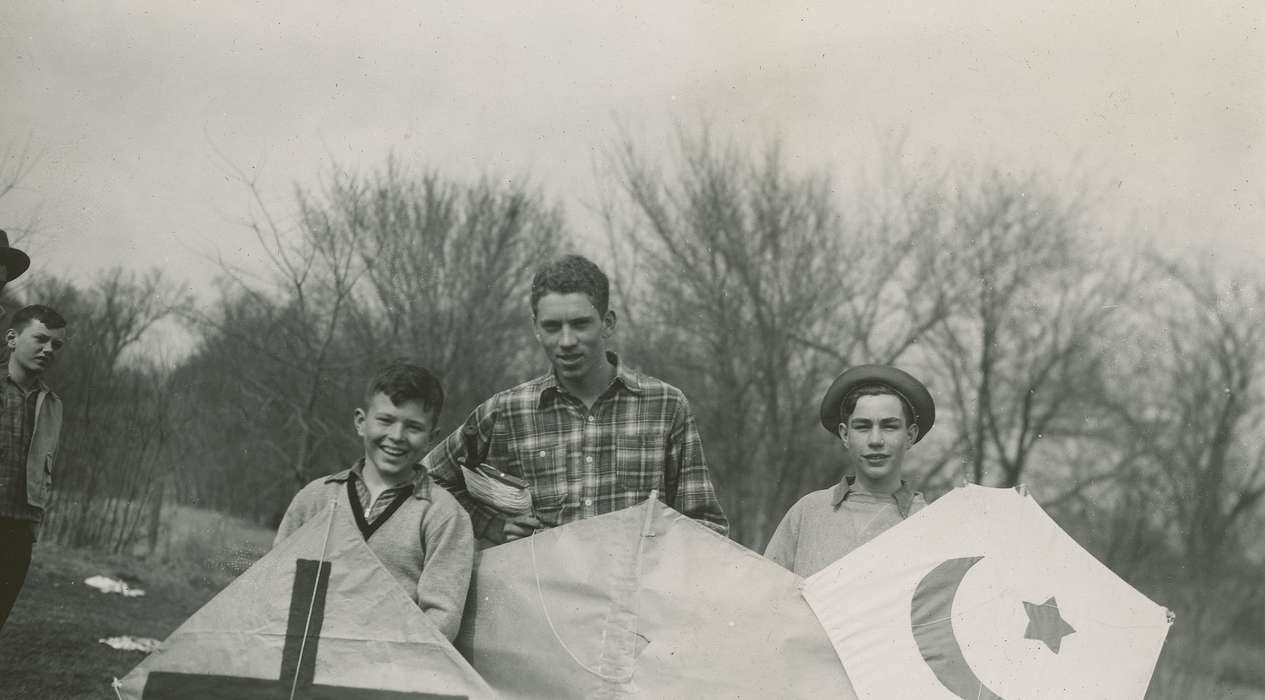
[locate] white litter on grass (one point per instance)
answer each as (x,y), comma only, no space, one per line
(105,584)
(127,643)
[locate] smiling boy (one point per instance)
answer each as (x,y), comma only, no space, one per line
(419,532)
(878,413)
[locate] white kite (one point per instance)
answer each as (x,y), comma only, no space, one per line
(981,595)
(643,603)
(317,617)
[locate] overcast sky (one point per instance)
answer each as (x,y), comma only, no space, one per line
(1160,105)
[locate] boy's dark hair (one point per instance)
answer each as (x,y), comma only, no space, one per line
(849,403)
(571,274)
(404,381)
(36,312)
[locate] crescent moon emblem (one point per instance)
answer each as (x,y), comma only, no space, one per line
(931,620)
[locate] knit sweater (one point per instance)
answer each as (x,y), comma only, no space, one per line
(427,544)
(825,525)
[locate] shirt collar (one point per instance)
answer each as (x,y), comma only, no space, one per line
(39,385)
(421,483)
(625,375)
(904,495)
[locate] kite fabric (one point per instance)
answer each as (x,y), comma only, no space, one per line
(982,595)
(643,603)
(317,617)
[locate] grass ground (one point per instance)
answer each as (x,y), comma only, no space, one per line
(49,648)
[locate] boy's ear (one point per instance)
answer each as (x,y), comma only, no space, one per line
(913,432)
(358,420)
(608,323)
(843,434)
(11,338)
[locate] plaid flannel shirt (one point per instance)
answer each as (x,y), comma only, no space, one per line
(17,422)
(368,505)
(579,462)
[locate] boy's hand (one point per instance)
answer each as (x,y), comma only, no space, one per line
(518,527)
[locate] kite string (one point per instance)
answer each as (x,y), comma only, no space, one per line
(316,586)
(545,609)
(540,594)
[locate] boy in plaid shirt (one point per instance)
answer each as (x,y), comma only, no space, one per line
(589,437)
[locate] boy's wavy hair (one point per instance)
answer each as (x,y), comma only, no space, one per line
(572,274)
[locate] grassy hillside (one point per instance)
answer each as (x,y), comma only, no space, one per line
(50,646)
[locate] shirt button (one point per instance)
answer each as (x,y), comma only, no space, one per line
(588,502)
(591,419)
(588,460)
(542,453)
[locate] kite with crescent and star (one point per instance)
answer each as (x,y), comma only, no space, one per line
(981,595)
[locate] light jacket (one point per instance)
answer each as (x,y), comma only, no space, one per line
(43,451)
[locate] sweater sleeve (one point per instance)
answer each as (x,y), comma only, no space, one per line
(296,514)
(785,539)
(449,559)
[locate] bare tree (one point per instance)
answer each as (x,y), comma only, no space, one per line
(117,420)
(756,291)
(1020,352)
(1208,433)
(1190,404)
(282,340)
(448,273)
(375,267)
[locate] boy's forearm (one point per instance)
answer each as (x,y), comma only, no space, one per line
(445,579)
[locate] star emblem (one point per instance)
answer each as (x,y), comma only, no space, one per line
(1046,624)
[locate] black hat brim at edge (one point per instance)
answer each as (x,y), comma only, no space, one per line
(15,262)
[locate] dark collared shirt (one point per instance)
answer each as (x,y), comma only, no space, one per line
(17,422)
(580,462)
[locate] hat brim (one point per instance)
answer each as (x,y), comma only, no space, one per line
(15,262)
(903,383)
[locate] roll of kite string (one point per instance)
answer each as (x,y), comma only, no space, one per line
(535,570)
(508,499)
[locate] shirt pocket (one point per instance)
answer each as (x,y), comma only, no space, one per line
(544,465)
(639,463)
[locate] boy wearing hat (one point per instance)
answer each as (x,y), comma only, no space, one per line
(877,412)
